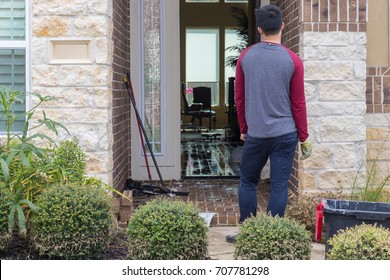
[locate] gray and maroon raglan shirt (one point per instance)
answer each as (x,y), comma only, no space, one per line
(270,98)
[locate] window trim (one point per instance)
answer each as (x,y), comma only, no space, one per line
(23,44)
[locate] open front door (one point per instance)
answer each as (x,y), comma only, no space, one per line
(155,75)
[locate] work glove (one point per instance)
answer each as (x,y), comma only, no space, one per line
(306,148)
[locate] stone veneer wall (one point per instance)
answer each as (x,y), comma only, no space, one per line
(121,102)
(333,49)
(85,89)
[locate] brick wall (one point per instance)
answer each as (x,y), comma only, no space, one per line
(120,99)
(378,90)
(334,15)
(290,9)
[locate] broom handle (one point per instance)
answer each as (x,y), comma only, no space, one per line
(127,82)
(139,130)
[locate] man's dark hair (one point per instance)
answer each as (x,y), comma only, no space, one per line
(269,19)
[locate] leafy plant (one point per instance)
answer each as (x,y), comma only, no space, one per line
(10,98)
(4,234)
(362,242)
(272,238)
(73,222)
(61,165)
(165,229)
(18,153)
(242,33)
(17,203)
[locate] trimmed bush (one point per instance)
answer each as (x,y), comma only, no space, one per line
(4,209)
(165,229)
(302,208)
(362,242)
(272,238)
(73,222)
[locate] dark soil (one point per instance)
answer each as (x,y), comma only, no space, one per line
(19,248)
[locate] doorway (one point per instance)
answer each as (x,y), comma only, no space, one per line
(211,33)
(160,33)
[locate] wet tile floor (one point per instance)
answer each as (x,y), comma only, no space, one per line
(219,196)
(202,158)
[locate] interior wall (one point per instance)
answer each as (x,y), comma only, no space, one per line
(120,98)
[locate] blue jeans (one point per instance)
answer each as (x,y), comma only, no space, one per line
(280,150)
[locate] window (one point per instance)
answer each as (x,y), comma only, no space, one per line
(202,60)
(231,39)
(13,51)
(152,73)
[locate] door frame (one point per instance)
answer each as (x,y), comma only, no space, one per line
(169,159)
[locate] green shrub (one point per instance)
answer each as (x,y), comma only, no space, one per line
(362,242)
(62,165)
(73,222)
(272,238)
(70,159)
(165,229)
(302,208)
(4,209)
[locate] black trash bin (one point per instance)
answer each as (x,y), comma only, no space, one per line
(342,214)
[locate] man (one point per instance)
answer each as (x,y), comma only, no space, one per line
(271,110)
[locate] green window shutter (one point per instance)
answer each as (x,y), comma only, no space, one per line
(12,20)
(13,57)
(13,76)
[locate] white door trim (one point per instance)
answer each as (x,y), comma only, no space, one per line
(169,160)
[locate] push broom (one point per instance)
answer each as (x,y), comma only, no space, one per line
(144,140)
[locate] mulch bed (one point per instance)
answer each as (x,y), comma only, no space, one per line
(20,249)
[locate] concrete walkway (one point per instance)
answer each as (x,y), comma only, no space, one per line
(219,249)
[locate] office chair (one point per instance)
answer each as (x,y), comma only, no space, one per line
(203,95)
(194,110)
